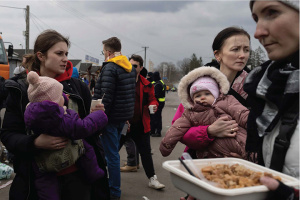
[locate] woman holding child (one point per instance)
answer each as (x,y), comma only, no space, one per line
(49,59)
(231,48)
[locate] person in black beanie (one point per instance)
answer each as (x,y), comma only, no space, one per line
(150,77)
(160,93)
(273,91)
(144,72)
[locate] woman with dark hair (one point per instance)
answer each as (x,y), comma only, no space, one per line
(231,48)
(234,69)
(273,88)
(49,59)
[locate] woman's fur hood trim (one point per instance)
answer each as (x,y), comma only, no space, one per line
(187,80)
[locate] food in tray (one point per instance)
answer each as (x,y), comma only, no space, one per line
(233,176)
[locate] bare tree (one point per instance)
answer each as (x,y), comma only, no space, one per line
(260,56)
(184,65)
(169,73)
(194,62)
(256,58)
(200,61)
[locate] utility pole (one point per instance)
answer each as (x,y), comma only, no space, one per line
(27,30)
(145,56)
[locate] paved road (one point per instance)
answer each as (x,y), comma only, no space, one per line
(135,184)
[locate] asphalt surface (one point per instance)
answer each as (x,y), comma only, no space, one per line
(134,185)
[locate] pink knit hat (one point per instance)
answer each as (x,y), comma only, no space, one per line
(205,83)
(42,88)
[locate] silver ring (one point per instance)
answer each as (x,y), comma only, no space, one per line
(232,130)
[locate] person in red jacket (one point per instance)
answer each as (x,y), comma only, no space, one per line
(140,123)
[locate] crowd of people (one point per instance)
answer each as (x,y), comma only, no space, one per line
(64,148)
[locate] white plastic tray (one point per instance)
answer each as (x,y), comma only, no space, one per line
(203,190)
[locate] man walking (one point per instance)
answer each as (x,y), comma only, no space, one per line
(140,123)
(160,93)
(116,87)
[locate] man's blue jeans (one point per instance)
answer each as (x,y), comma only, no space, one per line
(111,140)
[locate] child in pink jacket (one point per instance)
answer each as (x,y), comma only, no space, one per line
(202,93)
(196,137)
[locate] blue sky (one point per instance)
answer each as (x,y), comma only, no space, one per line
(173,30)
